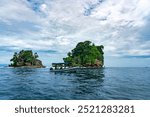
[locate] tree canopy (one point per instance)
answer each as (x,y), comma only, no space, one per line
(25,58)
(85,54)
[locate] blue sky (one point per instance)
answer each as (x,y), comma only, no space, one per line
(54,27)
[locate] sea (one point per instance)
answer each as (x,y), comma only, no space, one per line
(109,83)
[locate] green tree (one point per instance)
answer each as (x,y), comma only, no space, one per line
(15,59)
(101,56)
(85,54)
(24,57)
(36,55)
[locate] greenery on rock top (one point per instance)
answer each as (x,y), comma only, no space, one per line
(85,54)
(25,58)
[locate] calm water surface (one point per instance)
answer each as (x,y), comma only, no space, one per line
(108,83)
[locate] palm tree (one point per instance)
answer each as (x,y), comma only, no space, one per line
(15,59)
(36,55)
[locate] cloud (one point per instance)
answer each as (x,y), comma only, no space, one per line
(17,10)
(121,26)
(145,56)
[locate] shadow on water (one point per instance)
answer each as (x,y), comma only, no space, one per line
(88,73)
(28,83)
(85,83)
(107,83)
(23,71)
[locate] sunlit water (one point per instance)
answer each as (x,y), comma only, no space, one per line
(107,83)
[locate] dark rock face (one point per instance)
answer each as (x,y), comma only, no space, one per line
(26,58)
(38,63)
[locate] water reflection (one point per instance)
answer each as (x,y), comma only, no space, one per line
(88,83)
(85,83)
(108,83)
(28,83)
(25,72)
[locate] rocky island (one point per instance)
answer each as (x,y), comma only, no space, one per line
(26,58)
(84,55)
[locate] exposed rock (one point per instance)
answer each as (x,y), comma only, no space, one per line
(98,63)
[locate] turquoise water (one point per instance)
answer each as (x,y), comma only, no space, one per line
(108,83)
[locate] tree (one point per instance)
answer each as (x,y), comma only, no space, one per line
(100,49)
(85,54)
(23,58)
(36,55)
(15,59)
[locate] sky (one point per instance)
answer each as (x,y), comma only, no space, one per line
(54,27)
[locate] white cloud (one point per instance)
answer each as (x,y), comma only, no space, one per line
(17,10)
(61,24)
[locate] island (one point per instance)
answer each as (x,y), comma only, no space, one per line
(85,55)
(26,58)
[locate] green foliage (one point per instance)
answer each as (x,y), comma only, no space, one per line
(85,54)
(24,57)
(100,49)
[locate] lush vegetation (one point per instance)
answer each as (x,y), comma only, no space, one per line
(85,54)
(25,58)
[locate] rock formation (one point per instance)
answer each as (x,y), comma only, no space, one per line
(26,58)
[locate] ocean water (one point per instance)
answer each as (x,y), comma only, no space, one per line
(103,84)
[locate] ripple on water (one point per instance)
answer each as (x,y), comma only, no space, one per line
(108,83)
